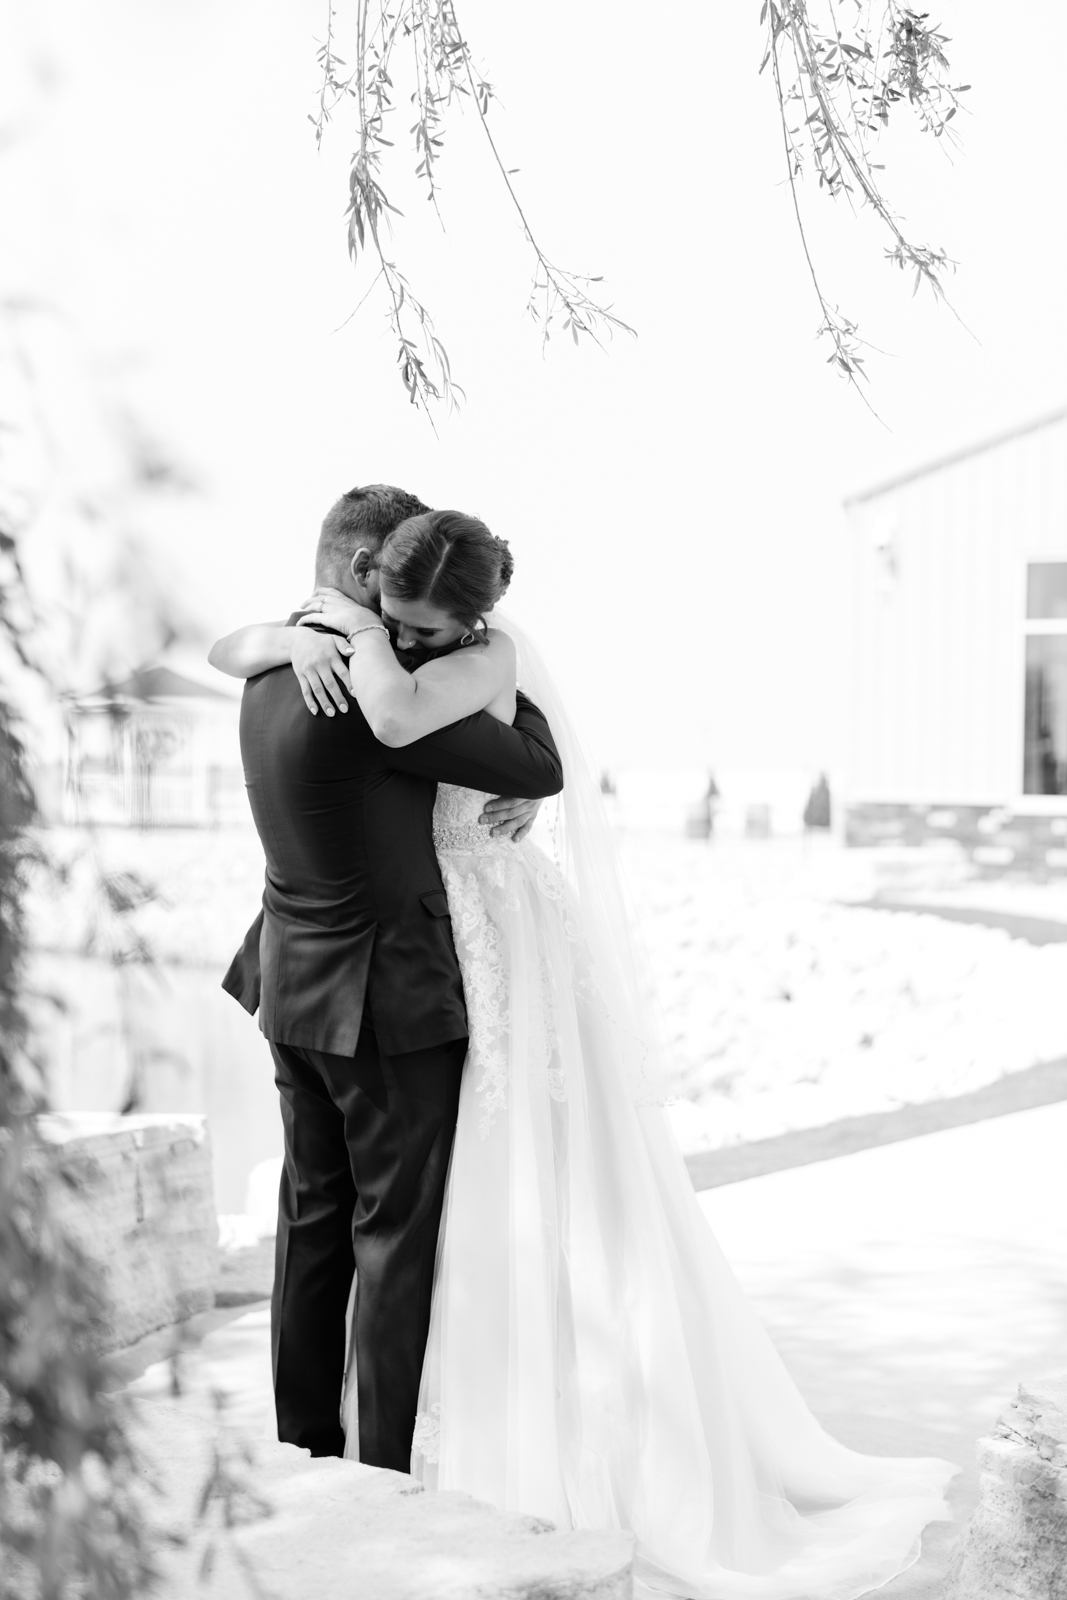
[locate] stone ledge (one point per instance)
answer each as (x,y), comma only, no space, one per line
(1015,1546)
(344,1530)
(135,1194)
(246,1273)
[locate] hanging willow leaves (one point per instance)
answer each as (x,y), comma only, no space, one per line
(445,79)
(837,81)
(840,68)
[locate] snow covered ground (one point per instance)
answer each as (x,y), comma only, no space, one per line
(788,999)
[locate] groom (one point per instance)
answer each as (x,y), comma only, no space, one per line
(353,970)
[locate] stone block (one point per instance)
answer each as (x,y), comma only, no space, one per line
(246,1240)
(246,1269)
(339,1529)
(1015,1546)
(135,1193)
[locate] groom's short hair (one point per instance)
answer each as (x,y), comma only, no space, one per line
(361,518)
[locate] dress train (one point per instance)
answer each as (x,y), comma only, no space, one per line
(591,1357)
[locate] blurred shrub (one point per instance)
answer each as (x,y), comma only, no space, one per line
(71,1521)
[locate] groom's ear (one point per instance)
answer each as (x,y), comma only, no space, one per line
(363,569)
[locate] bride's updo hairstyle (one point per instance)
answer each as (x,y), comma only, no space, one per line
(448,560)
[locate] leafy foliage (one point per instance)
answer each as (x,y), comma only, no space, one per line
(72,1517)
(228,1500)
(839,68)
(445,78)
(73,1511)
(70,1520)
(836,85)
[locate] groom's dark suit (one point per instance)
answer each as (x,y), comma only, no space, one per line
(352,967)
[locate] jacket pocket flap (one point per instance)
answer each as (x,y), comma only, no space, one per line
(436,902)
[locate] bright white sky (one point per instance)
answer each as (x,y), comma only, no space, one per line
(674,505)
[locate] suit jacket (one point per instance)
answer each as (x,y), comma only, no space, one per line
(355,917)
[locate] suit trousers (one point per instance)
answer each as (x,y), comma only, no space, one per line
(367,1144)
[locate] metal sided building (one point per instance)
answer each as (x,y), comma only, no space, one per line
(958,715)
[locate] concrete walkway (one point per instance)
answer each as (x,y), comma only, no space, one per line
(909,1289)
(1040,1085)
(1019,925)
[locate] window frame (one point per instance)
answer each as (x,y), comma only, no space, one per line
(1034,627)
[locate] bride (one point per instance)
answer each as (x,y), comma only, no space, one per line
(591,1357)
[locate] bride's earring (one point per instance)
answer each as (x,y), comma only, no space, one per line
(468,637)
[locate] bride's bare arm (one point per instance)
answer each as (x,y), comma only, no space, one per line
(318,659)
(402,707)
(253,649)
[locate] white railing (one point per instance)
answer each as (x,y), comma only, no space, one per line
(202,797)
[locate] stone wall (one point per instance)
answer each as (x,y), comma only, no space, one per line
(191,1049)
(995,839)
(135,1193)
(1015,1546)
(246,1270)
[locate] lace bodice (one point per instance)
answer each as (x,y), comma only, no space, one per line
(488,881)
(456,828)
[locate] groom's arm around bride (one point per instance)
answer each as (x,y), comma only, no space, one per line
(347,830)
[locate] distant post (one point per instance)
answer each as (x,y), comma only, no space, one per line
(818,812)
(700,823)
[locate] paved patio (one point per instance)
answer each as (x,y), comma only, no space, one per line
(909,1288)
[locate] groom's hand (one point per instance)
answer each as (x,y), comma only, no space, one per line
(509,819)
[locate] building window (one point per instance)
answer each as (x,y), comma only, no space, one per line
(1045,720)
(1046,591)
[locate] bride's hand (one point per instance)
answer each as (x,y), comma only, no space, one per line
(320,595)
(332,608)
(320,661)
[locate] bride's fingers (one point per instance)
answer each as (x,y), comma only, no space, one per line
(305,690)
(316,695)
(322,617)
(334,682)
(328,692)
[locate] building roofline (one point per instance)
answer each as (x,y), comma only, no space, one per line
(156,684)
(950,460)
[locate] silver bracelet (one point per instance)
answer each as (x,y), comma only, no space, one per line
(370,627)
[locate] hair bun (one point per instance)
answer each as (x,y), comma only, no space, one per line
(507,564)
(448,559)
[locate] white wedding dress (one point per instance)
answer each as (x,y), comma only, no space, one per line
(592,1359)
